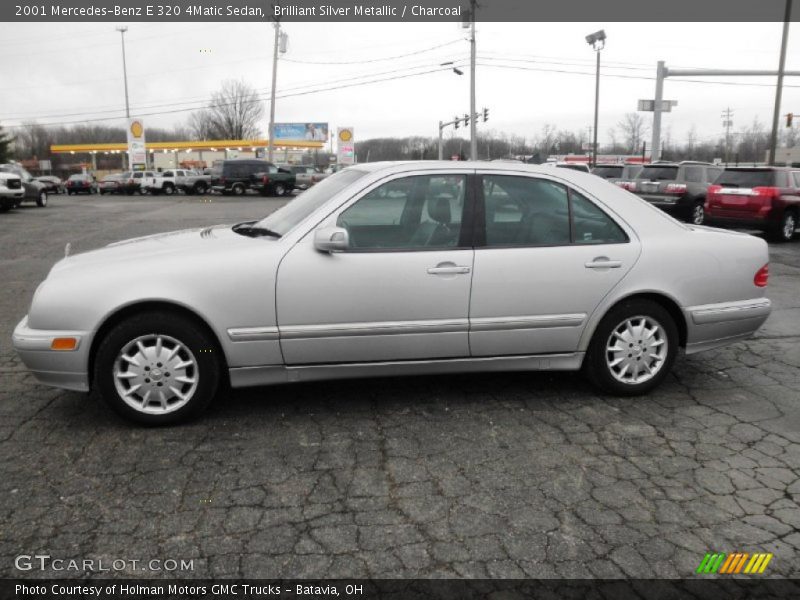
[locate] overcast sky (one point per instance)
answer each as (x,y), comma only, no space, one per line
(57,73)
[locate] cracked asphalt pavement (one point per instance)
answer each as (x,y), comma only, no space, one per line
(483,475)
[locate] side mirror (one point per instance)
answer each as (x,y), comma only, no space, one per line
(331,239)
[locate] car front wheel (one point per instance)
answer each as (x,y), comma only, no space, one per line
(157,368)
(633,348)
(238,189)
(42,199)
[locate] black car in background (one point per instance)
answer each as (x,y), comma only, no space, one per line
(236,176)
(677,188)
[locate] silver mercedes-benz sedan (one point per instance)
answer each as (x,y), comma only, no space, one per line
(397,269)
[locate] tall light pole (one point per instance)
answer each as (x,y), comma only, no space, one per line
(277,25)
(473,137)
(773,139)
(597,41)
(122,31)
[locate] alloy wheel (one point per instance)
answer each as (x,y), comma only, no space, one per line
(155,374)
(636,350)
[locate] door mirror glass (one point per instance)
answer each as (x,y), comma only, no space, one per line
(331,239)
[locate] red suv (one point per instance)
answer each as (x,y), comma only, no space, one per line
(766,198)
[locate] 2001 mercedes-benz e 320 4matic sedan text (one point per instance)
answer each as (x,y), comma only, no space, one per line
(397,268)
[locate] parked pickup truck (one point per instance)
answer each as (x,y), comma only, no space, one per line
(170,181)
(273,181)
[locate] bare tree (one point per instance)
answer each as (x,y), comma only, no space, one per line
(633,130)
(201,125)
(233,114)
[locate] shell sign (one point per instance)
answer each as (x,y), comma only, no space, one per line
(137,153)
(137,129)
(345,147)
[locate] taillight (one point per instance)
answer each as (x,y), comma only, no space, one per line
(675,188)
(767,192)
(265,179)
(760,279)
(714,189)
(222,180)
(626,185)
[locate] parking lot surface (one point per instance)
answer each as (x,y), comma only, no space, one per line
(482,475)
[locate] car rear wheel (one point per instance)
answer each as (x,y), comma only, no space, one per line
(279,189)
(200,188)
(42,199)
(633,348)
(698,214)
(169,190)
(784,230)
(237,189)
(157,368)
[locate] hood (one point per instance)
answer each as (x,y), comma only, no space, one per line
(186,244)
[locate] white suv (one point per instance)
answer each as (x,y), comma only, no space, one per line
(11,191)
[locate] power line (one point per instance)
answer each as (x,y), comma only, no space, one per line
(370,60)
(258,98)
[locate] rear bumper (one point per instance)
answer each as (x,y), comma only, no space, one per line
(61,369)
(713,325)
(748,221)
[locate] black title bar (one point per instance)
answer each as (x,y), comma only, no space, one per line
(332,11)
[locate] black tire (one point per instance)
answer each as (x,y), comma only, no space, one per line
(70,193)
(169,189)
(783,231)
(697,213)
(41,201)
(193,337)
(200,188)
(279,189)
(5,208)
(596,365)
(238,189)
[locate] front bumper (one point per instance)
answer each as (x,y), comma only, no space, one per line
(12,194)
(714,325)
(67,369)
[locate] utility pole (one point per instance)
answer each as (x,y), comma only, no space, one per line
(596,107)
(122,31)
(271,152)
(473,137)
(773,140)
(727,122)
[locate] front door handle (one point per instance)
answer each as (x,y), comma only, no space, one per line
(601,262)
(448,268)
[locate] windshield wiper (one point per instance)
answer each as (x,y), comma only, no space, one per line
(249,230)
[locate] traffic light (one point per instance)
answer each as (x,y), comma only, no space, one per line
(789,119)
(466,119)
(485,115)
(456,122)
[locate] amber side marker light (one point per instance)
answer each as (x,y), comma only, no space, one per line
(64,344)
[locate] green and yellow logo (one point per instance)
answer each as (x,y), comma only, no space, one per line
(734,563)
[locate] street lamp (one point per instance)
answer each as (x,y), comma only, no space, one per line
(122,31)
(597,41)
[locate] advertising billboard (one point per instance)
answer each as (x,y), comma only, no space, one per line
(309,132)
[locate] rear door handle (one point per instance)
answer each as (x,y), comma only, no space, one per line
(603,263)
(448,269)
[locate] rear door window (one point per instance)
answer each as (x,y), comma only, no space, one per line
(693,174)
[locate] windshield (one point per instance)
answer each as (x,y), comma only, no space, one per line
(659,173)
(746,178)
(285,219)
(608,172)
